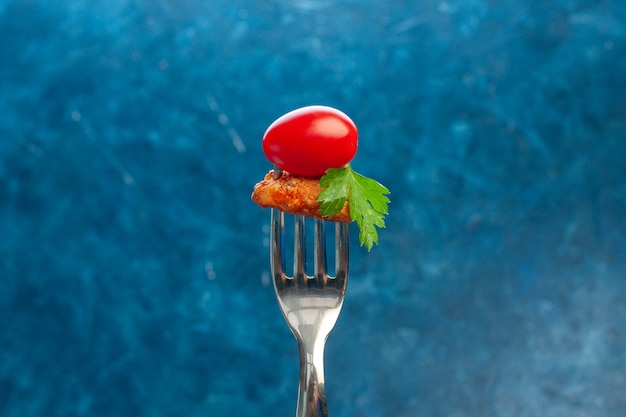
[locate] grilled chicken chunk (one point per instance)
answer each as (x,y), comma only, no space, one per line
(295,195)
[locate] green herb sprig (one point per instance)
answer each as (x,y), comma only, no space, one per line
(367,200)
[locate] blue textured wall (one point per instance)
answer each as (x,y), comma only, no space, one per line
(133,267)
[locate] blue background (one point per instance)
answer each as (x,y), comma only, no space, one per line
(134,275)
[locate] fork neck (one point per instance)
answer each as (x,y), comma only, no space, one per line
(311,390)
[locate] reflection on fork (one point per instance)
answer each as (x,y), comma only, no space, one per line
(310,304)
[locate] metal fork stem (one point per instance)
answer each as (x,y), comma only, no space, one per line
(311,390)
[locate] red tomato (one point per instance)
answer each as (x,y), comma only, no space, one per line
(309,140)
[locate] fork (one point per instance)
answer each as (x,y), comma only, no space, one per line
(310,304)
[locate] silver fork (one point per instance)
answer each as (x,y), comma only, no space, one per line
(310,304)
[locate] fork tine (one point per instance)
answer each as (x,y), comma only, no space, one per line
(319,251)
(299,249)
(277,227)
(342,238)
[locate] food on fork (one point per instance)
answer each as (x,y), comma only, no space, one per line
(294,194)
(308,141)
(312,148)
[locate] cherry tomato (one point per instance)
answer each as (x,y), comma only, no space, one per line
(308,141)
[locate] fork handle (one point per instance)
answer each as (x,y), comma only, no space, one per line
(311,390)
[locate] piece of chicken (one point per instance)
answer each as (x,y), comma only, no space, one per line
(294,194)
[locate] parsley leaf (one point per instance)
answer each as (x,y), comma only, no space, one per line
(366,197)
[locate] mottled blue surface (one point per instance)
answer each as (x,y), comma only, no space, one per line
(134,273)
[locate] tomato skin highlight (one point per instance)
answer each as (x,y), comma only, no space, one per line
(309,140)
